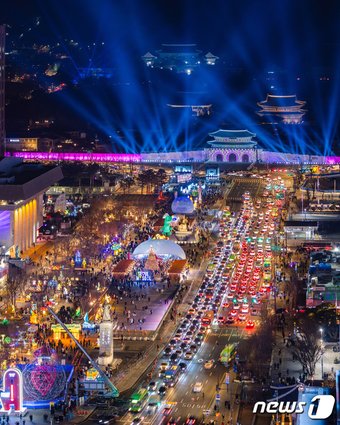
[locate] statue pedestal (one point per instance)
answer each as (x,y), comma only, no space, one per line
(105,359)
(182,235)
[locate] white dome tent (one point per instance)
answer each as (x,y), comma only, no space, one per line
(163,248)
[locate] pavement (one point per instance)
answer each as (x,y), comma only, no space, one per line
(292,368)
(127,378)
(150,309)
(82,413)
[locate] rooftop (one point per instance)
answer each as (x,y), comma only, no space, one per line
(232,134)
(280,100)
(19,180)
(180,48)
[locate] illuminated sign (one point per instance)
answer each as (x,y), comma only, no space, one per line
(92,374)
(12,394)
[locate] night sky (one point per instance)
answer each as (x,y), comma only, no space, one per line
(294,38)
(287,33)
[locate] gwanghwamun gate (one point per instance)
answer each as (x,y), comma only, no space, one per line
(225,146)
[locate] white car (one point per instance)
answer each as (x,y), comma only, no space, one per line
(208,364)
(197,387)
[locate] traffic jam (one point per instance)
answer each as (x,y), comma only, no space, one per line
(237,283)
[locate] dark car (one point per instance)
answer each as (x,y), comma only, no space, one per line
(167,351)
(174,358)
(182,366)
(162,391)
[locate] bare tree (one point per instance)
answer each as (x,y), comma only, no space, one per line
(307,346)
(14,287)
(257,349)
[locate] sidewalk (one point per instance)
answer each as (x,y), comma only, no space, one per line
(127,379)
(292,368)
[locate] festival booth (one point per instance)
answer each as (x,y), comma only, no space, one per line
(59,332)
(177,269)
(123,268)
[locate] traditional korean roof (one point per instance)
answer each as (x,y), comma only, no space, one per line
(209,55)
(149,55)
(281,101)
(232,134)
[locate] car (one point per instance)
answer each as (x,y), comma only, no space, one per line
(167,410)
(233,313)
(250,324)
(167,351)
(174,358)
(137,421)
(162,391)
(152,386)
(163,366)
(193,348)
(172,343)
(182,366)
(230,320)
(188,355)
(191,420)
(197,388)
(208,364)
(183,345)
(242,317)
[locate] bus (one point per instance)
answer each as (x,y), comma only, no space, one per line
(227,354)
(207,318)
(171,375)
(138,400)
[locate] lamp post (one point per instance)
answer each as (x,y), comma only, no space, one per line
(321,331)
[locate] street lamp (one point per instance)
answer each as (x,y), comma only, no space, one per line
(321,331)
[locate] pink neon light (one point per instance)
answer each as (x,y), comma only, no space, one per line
(87,157)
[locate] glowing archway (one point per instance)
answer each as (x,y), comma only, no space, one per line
(12,393)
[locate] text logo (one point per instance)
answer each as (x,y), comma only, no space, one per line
(321,407)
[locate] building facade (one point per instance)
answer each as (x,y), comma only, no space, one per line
(24,144)
(179,58)
(232,146)
(21,202)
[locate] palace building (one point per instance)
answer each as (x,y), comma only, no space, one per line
(286,109)
(232,146)
(179,58)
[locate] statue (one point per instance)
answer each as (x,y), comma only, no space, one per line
(167,229)
(106,313)
(183,226)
